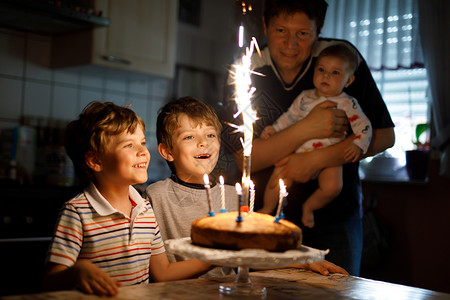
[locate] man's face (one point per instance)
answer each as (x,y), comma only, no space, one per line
(290,38)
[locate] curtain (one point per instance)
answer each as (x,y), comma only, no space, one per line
(384,31)
(434,25)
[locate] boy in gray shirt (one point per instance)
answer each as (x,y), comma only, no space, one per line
(188,136)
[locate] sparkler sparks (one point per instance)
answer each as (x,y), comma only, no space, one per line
(244,92)
(243,95)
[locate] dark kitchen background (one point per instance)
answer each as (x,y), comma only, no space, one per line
(57,56)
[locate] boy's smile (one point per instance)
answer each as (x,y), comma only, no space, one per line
(195,149)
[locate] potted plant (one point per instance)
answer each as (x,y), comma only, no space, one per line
(417,159)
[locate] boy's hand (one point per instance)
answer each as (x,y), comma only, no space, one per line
(90,279)
(322,267)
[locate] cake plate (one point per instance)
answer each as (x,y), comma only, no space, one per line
(244,260)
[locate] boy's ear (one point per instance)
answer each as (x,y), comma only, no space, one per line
(93,162)
(350,80)
(165,152)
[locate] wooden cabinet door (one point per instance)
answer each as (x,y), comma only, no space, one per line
(141,37)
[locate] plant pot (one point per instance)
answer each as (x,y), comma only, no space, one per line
(417,164)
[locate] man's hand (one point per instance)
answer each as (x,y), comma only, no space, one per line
(327,121)
(299,167)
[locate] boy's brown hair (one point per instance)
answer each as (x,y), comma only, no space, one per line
(90,133)
(169,114)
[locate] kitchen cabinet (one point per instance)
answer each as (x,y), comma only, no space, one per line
(141,38)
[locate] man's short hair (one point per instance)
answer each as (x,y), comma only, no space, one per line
(315,10)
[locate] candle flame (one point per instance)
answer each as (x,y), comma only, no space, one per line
(252,185)
(206,179)
(282,187)
(238,188)
(221,180)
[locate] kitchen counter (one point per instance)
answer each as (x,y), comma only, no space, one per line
(281,284)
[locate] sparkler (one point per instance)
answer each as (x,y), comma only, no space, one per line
(244,92)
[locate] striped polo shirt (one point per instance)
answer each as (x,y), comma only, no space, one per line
(90,228)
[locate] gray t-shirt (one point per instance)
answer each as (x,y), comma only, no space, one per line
(176,206)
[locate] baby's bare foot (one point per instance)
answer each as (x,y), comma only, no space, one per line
(308,218)
(308,221)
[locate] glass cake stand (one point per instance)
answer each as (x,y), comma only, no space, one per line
(244,260)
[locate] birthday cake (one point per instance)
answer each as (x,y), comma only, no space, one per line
(256,230)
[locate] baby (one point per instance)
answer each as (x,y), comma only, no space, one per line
(334,71)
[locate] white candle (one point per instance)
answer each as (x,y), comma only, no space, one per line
(208,195)
(252,196)
(239,193)
(222,194)
(283,194)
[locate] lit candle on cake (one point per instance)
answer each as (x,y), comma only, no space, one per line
(208,194)
(282,196)
(222,194)
(239,193)
(252,196)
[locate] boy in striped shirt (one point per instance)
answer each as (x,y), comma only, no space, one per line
(107,236)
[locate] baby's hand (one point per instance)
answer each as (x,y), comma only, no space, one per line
(352,153)
(93,280)
(267,132)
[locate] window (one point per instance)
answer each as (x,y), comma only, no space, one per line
(405,94)
(386,34)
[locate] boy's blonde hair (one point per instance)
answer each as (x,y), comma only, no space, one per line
(91,131)
(169,114)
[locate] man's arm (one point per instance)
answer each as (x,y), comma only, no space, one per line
(323,121)
(301,167)
(382,139)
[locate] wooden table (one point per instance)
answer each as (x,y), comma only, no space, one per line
(281,284)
